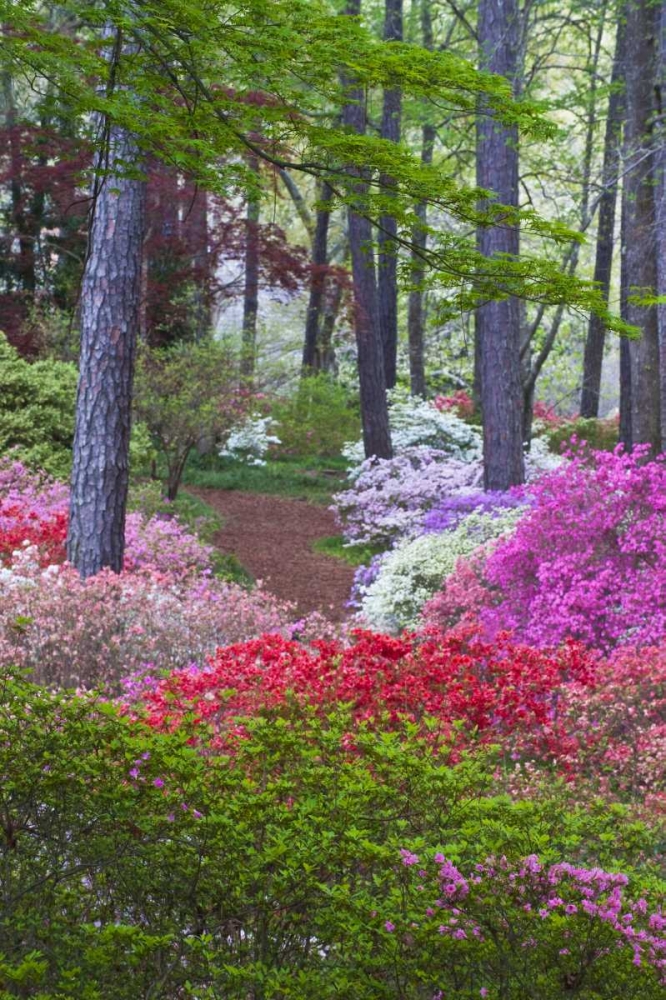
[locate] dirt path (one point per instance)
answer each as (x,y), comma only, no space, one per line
(272,537)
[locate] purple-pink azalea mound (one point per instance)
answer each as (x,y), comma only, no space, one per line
(587,561)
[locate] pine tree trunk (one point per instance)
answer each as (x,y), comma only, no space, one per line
(251,290)
(596,331)
(110,307)
(639,209)
(416,306)
(313,319)
(660,204)
(625,429)
(371,372)
(498,322)
(387,275)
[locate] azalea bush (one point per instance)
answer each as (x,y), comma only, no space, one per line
(252,440)
(74,632)
(417,422)
(476,691)
(391,498)
(405,578)
(588,558)
(168,608)
(520,928)
(291,866)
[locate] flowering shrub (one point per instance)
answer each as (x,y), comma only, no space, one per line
(563,926)
(490,689)
(459,402)
(416,422)
(614,731)
(71,632)
(130,859)
(251,441)
(453,509)
(588,560)
(390,497)
(34,509)
(411,573)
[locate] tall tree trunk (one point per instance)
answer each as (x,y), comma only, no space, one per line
(251,290)
(416,306)
(596,331)
(639,210)
(660,198)
(387,275)
(371,373)
(625,429)
(110,298)
(313,319)
(498,322)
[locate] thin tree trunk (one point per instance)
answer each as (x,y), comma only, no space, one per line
(251,291)
(110,298)
(325,352)
(639,210)
(313,319)
(371,372)
(596,331)
(387,275)
(498,322)
(416,306)
(196,209)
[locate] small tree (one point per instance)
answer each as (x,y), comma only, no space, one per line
(183,394)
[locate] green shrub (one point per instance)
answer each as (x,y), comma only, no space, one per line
(317,419)
(37,410)
(601,435)
(134,866)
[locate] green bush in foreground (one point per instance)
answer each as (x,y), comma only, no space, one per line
(133,867)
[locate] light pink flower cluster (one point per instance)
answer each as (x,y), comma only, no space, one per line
(72,632)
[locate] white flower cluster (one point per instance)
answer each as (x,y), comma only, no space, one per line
(250,442)
(417,422)
(412,572)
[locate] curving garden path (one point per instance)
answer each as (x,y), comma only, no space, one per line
(272,538)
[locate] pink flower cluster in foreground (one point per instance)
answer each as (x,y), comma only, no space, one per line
(560,918)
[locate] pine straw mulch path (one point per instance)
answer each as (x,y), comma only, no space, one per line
(272,538)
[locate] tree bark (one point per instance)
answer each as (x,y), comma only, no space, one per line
(387,275)
(660,204)
(625,430)
(313,319)
(371,373)
(110,299)
(498,321)
(639,210)
(416,306)
(596,331)
(251,290)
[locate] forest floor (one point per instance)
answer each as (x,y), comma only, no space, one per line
(272,537)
